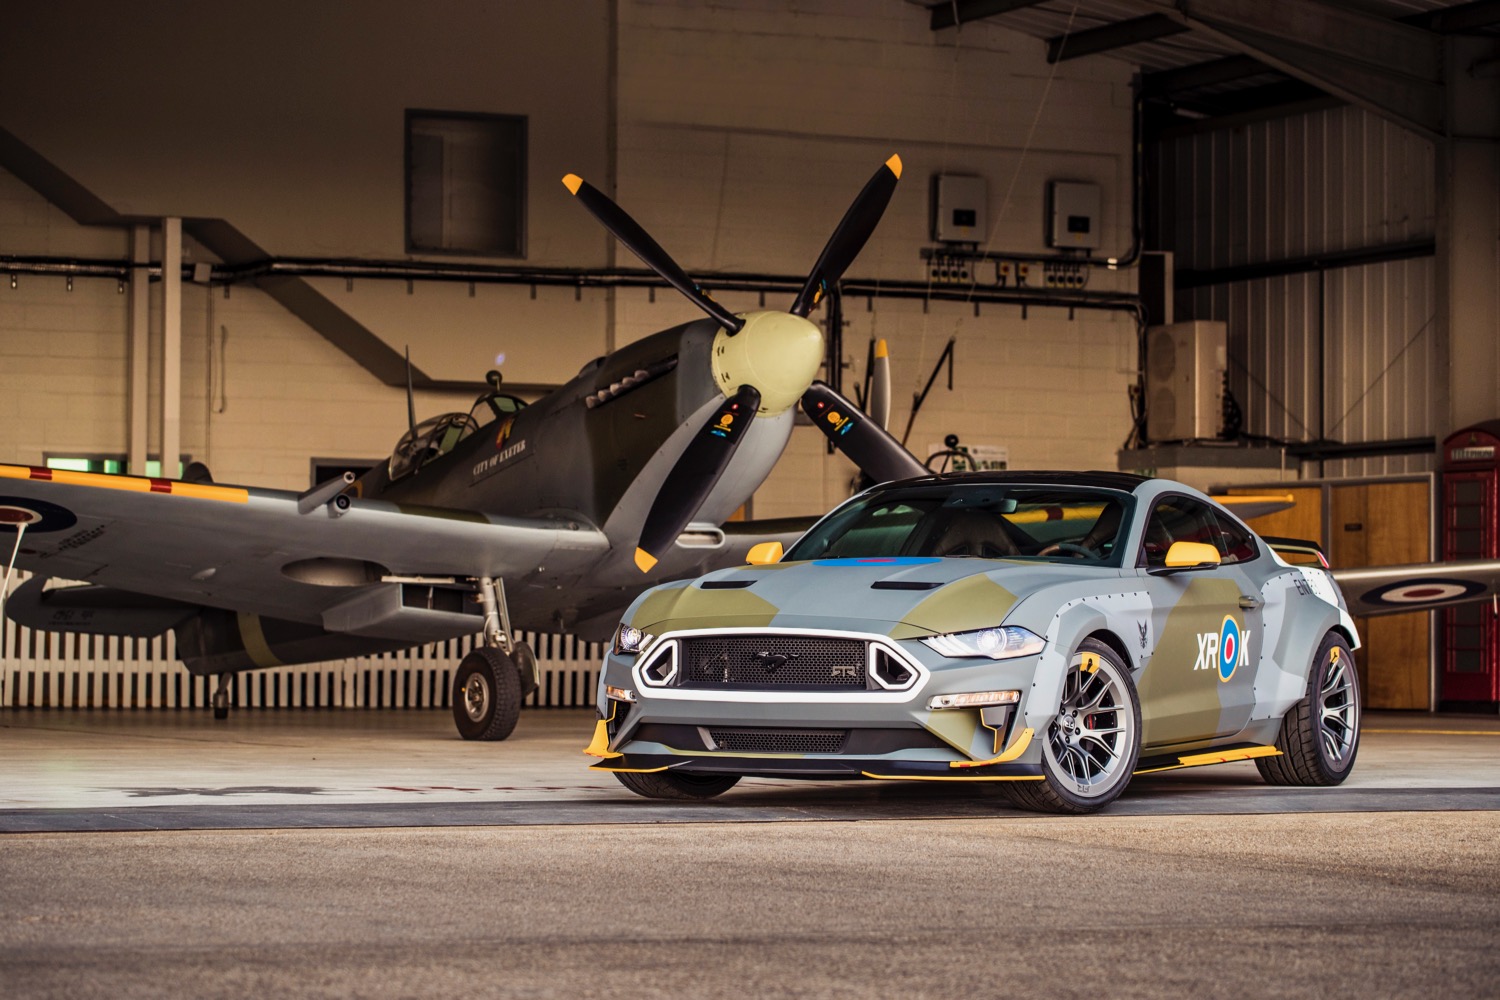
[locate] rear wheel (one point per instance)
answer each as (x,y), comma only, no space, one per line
(1319,737)
(1090,748)
(486,695)
(676,785)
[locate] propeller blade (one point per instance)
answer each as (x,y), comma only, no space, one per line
(865,442)
(850,236)
(695,474)
(880,386)
(640,243)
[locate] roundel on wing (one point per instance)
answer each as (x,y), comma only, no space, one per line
(33,515)
(1229,647)
(1426,590)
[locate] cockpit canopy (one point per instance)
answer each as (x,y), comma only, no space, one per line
(436,436)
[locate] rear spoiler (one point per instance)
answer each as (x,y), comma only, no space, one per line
(1297,551)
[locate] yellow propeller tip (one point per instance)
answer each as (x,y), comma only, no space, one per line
(895,164)
(572,182)
(880,349)
(644,560)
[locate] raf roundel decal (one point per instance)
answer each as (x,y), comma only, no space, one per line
(1229,648)
(34,515)
(1429,590)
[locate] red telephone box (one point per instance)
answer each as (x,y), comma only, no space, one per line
(1470,651)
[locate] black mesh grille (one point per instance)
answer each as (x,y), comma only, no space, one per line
(776,661)
(779,740)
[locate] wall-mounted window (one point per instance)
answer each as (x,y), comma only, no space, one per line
(112,464)
(465,183)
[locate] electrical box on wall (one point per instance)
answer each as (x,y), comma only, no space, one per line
(959,208)
(1185,366)
(1073,215)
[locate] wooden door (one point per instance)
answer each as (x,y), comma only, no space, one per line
(1387,524)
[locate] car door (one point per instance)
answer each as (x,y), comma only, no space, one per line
(1200,683)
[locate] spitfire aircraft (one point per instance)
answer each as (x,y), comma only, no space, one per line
(547,516)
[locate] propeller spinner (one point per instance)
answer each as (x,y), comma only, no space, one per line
(763,362)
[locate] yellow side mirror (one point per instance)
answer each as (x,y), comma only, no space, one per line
(764,554)
(1185,554)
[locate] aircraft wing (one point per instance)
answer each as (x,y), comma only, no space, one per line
(255,550)
(1390,590)
(1248,505)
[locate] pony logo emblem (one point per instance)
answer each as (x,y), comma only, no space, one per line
(1225,650)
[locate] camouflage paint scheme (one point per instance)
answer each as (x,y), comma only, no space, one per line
(1156,623)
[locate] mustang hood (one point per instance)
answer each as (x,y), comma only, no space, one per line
(904,597)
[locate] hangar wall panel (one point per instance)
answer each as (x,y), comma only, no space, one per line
(1348,353)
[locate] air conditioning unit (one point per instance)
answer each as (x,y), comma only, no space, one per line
(1185,367)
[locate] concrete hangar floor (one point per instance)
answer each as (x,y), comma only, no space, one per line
(368,854)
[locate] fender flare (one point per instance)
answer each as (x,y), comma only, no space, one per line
(1073,623)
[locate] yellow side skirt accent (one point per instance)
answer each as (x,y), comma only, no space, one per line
(953,777)
(1215,757)
(626,770)
(1017,747)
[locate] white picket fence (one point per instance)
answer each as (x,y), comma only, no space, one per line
(66,670)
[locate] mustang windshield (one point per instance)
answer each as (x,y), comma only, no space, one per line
(979,520)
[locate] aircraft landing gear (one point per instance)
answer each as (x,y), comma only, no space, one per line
(493,680)
(221,696)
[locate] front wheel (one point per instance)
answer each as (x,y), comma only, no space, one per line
(1090,747)
(486,695)
(676,785)
(1320,736)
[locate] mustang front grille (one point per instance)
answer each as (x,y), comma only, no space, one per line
(779,740)
(809,663)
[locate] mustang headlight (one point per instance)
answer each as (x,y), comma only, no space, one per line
(632,640)
(1000,643)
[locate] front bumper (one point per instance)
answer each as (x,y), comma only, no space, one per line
(827,735)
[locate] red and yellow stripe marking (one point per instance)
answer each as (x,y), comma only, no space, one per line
(133,484)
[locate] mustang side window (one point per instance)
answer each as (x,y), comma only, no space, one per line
(1178,519)
(1235,543)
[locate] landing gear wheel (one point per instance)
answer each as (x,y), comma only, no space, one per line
(486,695)
(676,785)
(1090,749)
(1319,737)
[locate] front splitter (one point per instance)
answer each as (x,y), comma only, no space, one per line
(818,768)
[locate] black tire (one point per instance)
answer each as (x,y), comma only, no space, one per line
(1069,750)
(221,712)
(676,785)
(486,695)
(1319,737)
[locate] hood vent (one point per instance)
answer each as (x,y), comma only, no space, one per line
(906,584)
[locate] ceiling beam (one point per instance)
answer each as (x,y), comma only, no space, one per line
(1384,66)
(1458,18)
(1164,83)
(956,12)
(1117,35)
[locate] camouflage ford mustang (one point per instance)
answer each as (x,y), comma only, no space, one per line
(1056,632)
